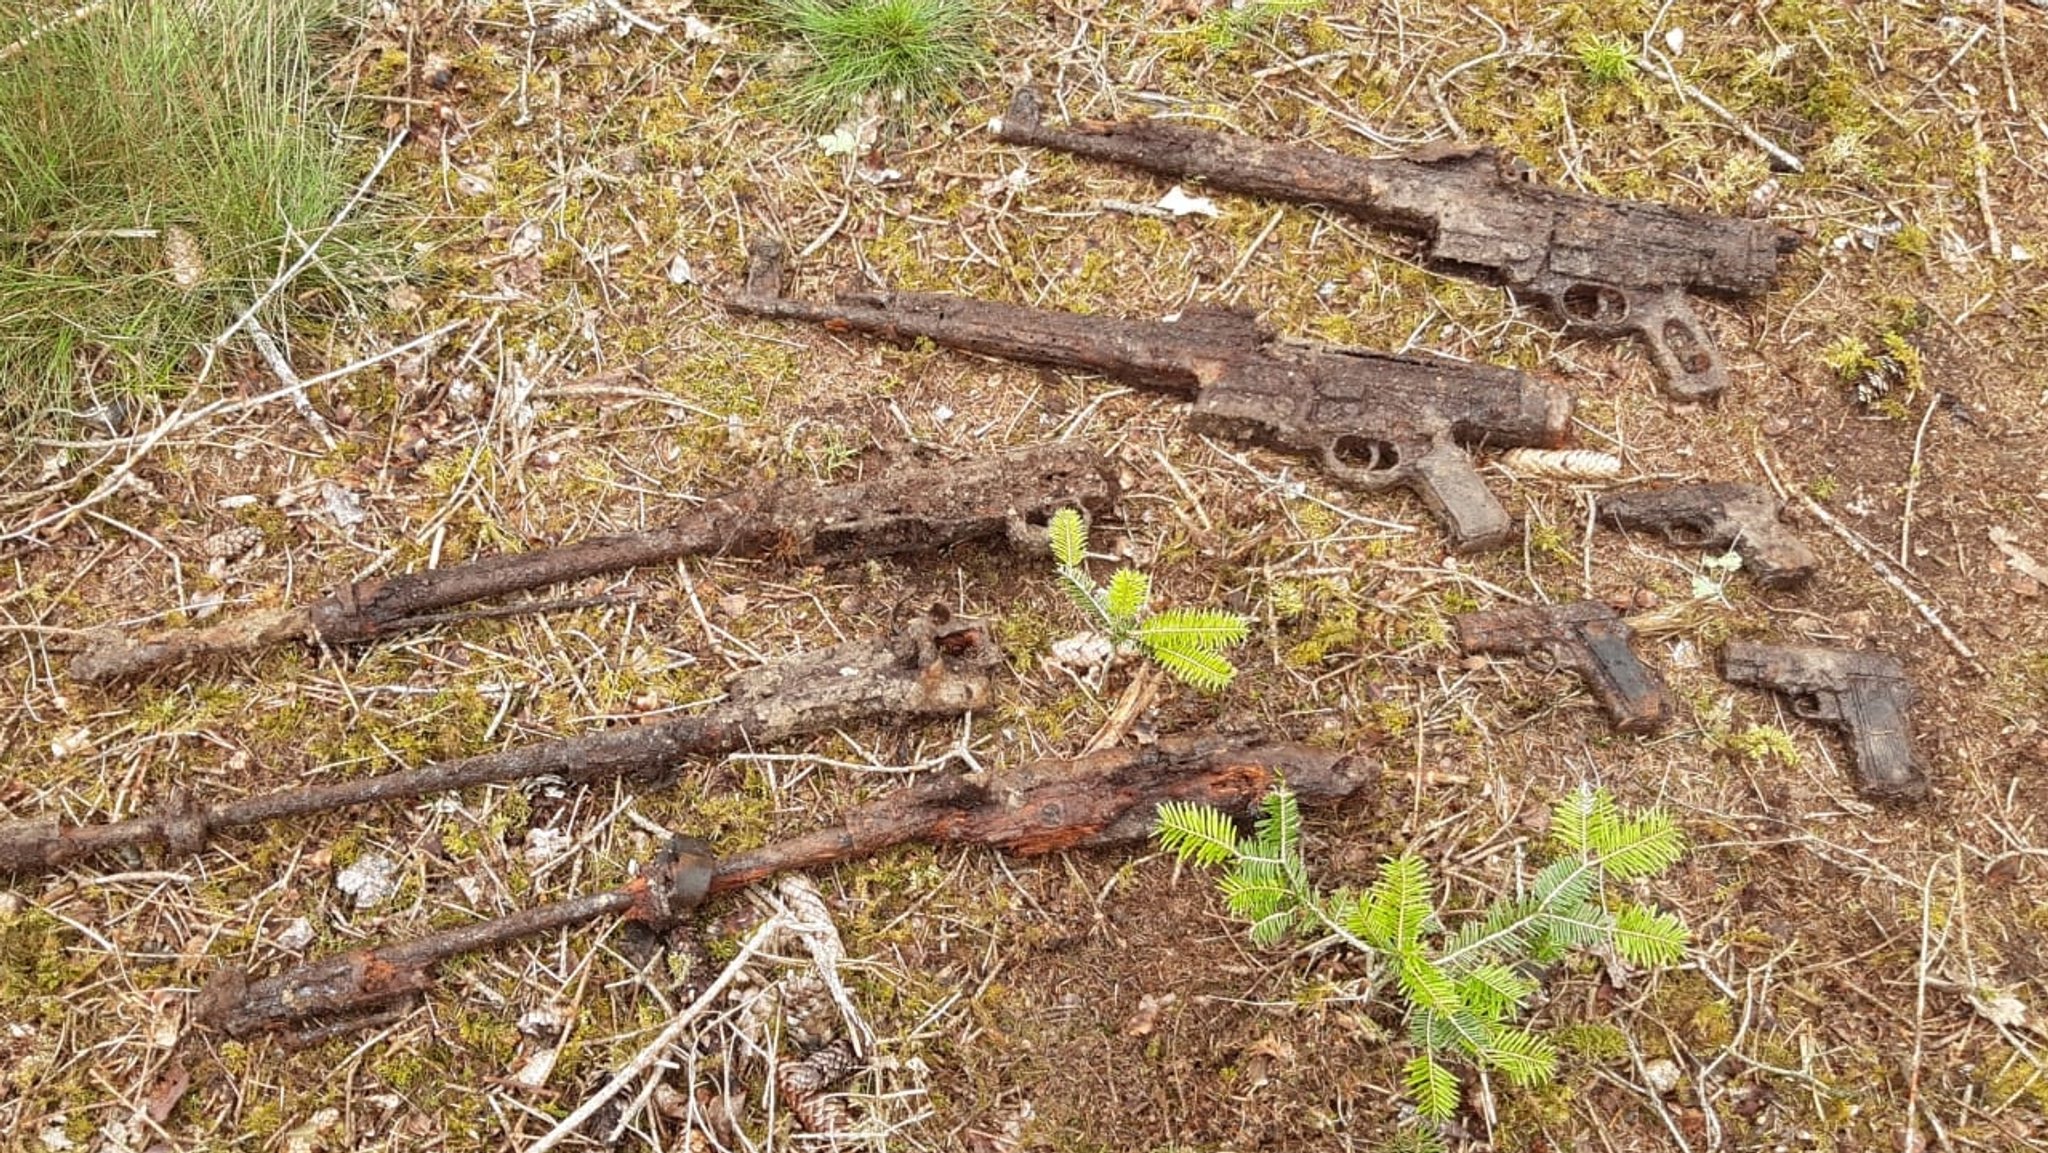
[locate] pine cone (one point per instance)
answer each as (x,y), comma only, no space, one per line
(575,23)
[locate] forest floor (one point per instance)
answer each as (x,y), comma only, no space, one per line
(1863,976)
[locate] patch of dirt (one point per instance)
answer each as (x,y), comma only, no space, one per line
(1854,965)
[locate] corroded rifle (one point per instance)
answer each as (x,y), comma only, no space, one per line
(1373,420)
(1604,267)
(1109,797)
(922,508)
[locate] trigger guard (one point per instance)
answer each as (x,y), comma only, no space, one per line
(1806,707)
(1362,478)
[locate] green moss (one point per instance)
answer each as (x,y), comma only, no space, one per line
(1591,1041)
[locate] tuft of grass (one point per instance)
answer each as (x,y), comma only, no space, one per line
(910,52)
(1604,59)
(160,161)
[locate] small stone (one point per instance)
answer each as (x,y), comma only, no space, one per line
(438,71)
(371,880)
(1662,1075)
(295,936)
(1646,599)
(1776,426)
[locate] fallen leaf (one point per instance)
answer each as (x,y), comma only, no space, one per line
(182,257)
(534,1071)
(1180,203)
(307,1138)
(1146,1018)
(342,505)
(2000,1008)
(526,240)
(168,1091)
(698,32)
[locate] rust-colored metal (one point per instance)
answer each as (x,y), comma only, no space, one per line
(1371,420)
(1605,267)
(359,981)
(934,666)
(1867,695)
(1589,639)
(902,510)
(1718,516)
(1103,798)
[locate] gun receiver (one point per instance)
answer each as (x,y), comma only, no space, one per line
(1373,420)
(1867,694)
(1585,637)
(1718,516)
(1604,267)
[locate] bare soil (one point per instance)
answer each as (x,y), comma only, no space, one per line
(1863,977)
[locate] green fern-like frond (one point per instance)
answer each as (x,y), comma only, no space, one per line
(1506,929)
(1129,590)
(1397,909)
(1269,929)
(1575,817)
(1649,937)
(1432,1087)
(1525,1058)
(1257,888)
(1427,986)
(1494,992)
(1640,846)
(1580,926)
(1211,629)
(1198,833)
(1459,1032)
(1200,667)
(1563,883)
(1069,532)
(1080,589)
(1279,825)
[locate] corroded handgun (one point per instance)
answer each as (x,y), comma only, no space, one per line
(1865,693)
(1718,516)
(1373,420)
(1586,637)
(1604,267)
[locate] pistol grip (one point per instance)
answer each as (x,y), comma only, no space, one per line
(1443,477)
(1679,344)
(1630,691)
(1876,713)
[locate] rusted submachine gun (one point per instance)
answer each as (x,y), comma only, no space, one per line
(1374,420)
(1605,267)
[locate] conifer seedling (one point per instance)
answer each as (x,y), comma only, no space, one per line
(1463,989)
(1187,643)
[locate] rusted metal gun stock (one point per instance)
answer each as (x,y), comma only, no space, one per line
(936,666)
(1604,267)
(1103,798)
(1865,694)
(901,510)
(1589,639)
(1373,420)
(1718,516)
